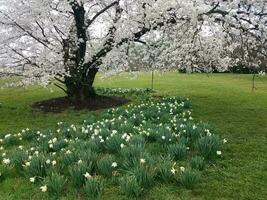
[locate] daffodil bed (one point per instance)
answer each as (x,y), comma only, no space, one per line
(132,147)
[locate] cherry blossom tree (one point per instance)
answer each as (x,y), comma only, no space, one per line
(66,42)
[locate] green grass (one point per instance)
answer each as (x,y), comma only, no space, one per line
(226,101)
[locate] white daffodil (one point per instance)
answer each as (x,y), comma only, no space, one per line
(182,169)
(218,153)
(32,179)
(54,162)
(87,175)
(43,188)
(27,164)
(142,160)
(114,164)
(96,131)
(74,129)
(6,161)
(54,140)
(68,152)
(173,171)
(224,141)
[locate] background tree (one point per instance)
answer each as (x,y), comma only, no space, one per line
(71,40)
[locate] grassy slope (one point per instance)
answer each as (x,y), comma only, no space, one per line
(225,101)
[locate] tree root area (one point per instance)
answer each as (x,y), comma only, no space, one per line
(61,104)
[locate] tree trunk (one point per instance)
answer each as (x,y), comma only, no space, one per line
(81,75)
(78,83)
(80,88)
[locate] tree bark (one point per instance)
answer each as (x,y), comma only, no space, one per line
(81,75)
(81,88)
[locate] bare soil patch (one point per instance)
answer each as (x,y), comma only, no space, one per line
(60,104)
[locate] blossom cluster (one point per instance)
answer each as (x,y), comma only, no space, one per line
(128,35)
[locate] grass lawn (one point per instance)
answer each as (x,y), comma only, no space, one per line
(225,101)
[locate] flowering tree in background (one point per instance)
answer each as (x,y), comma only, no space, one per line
(71,40)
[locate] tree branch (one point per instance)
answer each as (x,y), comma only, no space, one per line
(90,21)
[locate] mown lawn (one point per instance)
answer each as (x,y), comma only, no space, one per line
(226,101)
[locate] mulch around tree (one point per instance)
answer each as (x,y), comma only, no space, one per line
(60,104)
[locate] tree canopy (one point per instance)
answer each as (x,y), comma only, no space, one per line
(71,40)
